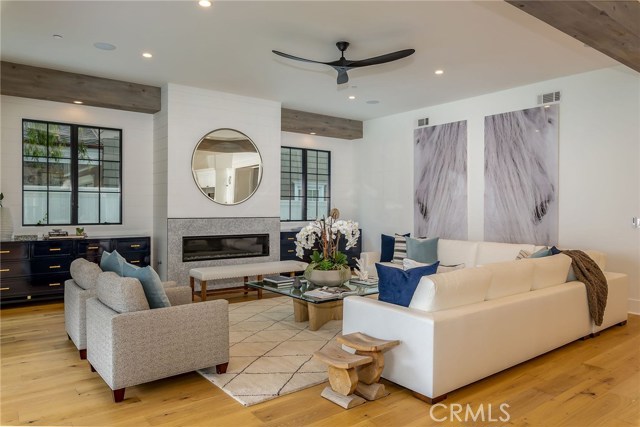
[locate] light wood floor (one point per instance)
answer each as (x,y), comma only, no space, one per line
(43,382)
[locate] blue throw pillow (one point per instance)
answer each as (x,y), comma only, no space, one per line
(423,250)
(397,286)
(151,284)
(112,262)
(541,253)
(386,247)
(571,276)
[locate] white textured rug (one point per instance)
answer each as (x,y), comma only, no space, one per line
(271,354)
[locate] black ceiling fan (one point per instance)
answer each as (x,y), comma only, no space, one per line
(343,64)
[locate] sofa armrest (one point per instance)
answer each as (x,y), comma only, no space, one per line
(75,312)
(409,364)
(179,295)
(169,284)
(142,346)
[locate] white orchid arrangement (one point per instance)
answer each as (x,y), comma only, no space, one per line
(328,232)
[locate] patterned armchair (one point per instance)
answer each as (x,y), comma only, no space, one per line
(129,344)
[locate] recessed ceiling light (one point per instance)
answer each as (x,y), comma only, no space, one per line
(352,97)
(147,55)
(77,102)
(104,46)
(373,101)
(204,3)
(312,133)
(439,72)
(57,36)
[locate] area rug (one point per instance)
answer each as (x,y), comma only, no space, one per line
(270,353)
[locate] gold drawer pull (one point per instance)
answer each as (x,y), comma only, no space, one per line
(290,250)
(135,262)
(55,284)
(54,266)
(4,270)
(290,238)
(135,246)
(93,247)
(5,252)
(54,249)
(4,289)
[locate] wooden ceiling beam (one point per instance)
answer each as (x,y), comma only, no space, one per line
(42,83)
(611,27)
(319,124)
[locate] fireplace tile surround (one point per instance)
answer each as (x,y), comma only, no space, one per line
(177,228)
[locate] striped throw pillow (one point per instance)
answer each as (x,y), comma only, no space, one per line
(399,249)
(523,254)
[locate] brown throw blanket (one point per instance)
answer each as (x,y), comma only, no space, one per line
(588,272)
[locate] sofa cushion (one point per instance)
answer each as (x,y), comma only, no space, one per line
(510,278)
(85,273)
(423,250)
(112,261)
(121,294)
(492,252)
(151,285)
(453,252)
(399,249)
(549,271)
(397,286)
(408,264)
(452,289)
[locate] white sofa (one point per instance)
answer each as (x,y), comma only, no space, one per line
(465,325)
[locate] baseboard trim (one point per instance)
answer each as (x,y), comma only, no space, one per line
(634,306)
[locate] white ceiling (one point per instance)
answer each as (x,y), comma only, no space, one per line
(482,47)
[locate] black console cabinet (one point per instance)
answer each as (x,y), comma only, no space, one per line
(288,248)
(36,270)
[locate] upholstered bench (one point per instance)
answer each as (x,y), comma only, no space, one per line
(205,274)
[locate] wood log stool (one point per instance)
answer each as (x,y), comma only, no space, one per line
(369,375)
(342,375)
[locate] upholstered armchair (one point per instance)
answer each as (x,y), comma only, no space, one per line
(77,290)
(129,344)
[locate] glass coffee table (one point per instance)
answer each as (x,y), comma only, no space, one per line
(317,311)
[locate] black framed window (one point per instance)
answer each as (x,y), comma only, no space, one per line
(71,174)
(305,184)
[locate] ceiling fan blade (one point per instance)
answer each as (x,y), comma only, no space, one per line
(342,76)
(394,56)
(286,55)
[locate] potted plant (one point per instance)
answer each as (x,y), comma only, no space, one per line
(329,267)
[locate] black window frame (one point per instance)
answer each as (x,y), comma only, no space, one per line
(305,172)
(74,173)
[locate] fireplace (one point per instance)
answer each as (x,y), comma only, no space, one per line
(202,248)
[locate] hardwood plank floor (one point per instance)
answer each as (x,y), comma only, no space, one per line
(43,382)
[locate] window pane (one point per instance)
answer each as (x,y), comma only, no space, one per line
(59,141)
(34,174)
(109,207)
(88,144)
(296,161)
(323,185)
(323,163)
(34,140)
(284,210)
(323,207)
(34,207)
(110,141)
(59,174)
(296,209)
(88,208)
(88,175)
(110,176)
(285,159)
(285,185)
(312,161)
(59,207)
(312,186)
(312,209)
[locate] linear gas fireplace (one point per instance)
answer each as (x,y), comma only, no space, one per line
(201,248)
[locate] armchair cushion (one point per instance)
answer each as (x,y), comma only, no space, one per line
(121,294)
(151,284)
(85,273)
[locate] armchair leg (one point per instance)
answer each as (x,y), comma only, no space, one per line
(222,368)
(92,368)
(83,354)
(118,395)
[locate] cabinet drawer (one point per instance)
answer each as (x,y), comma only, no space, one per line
(140,259)
(14,287)
(132,245)
(14,269)
(52,248)
(53,283)
(14,250)
(88,248)
(51,265)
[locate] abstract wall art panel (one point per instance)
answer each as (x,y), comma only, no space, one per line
(521,176)
(440,181)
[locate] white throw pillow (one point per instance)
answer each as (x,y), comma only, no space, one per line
(549,271)
(452,289)
(408,264)
(510,278)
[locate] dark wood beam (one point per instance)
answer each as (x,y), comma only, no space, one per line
(611,27)
(42,83)
(333,127)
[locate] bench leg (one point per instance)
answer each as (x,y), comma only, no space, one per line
(192,283)
(203,290)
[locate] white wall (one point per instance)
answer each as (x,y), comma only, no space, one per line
(137,145)
(192,113)
(599,168)
(343,171)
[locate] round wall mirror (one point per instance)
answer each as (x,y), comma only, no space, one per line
(227,166)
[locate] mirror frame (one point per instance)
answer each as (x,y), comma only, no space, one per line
(195,179)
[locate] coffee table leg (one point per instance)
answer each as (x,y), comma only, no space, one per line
(319,314)
(300,311)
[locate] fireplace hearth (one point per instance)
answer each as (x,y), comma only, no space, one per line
(202,248)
